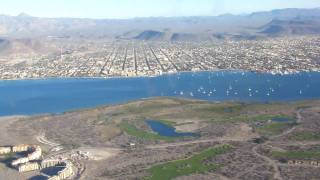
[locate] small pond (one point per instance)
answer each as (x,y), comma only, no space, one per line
(165,130)
(282,119)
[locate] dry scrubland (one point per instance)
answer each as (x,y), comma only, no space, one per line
(270,138)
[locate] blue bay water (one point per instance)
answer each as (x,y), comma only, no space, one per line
(29,97)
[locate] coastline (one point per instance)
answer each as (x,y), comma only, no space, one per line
(119,77)
(88,93)
(22,116)
(13,117)
(155,76)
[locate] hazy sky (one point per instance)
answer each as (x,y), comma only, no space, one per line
(144,8)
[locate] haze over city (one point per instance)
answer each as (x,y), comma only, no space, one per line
(122,9)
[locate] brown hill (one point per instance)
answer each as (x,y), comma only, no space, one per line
(291,27)
(174,28)
(23,46)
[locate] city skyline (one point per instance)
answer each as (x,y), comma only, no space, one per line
(124,9)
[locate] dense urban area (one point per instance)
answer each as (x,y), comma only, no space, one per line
(127,58)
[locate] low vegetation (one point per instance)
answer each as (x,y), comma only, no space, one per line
(167,122)
(305,136)
(193,164)
(275,128)
(301,155)
(177,110)
(253,118)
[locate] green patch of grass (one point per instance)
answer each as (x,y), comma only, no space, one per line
(305,136)
(263,117)
(233,108)
(246,118)
(147,108)
(193,164)
(171,109)
(133,131)
(269,117)
(301,155)
(168,123)
(273,128)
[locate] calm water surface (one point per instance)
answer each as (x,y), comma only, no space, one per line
(59,95)
(165,130)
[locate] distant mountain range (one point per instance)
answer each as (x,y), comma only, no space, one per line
(256,25)
(297,26)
